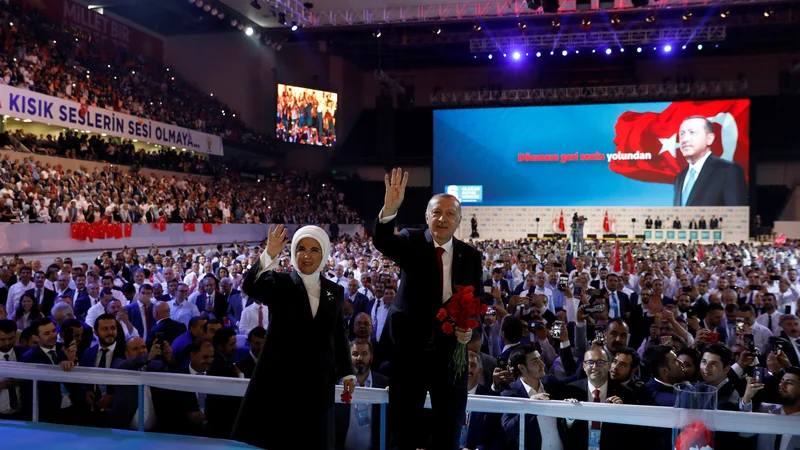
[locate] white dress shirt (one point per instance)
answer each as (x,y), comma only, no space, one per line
(5,402)
(109,356)
(379,317)
(763,320)
(548,426)
(184,312)
(14,294)
(97,309)
(149,412)
(360,437)
(367,292)
(698,166)
(249,318)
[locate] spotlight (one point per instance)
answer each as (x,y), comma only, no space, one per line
(294,25)
(615,21)
(564,53)
(521,24)
(249,31)
(555,23)
(538,54)
(221,16)
(234,22)
(376,33)
(725,13)
(199,3)
(504,55)
(699,46)
(437,30)
(683,47)
(586,23)
(477,27)
(214,12)
(207,8)
(516,55)
(622,49)
(282,18)
(490,56)
(240,27)
(577,51)
(667,48)
(526,54)
(594,51)
(255,4)
(687,16)
(768,12)
(608,51)
(651,18)
(552,53)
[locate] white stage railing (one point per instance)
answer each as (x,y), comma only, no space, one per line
(649,416)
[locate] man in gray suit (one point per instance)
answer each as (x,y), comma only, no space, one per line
(788,405)
(235,302)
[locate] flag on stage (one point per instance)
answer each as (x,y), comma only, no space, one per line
(701,253)
(606,228)
(561,222)
(629,257)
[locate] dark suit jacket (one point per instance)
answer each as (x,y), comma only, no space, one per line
(342,417)
(714,224)
(169,327)
(658,224)
(676,224)
(485,430)
(19,353)
(323,342)
(247,365)
(412,317)
(48,300)
(504,287)
(179,345)
(361,303)
(135,316)
(533,436)
(612,435)
(489,363)
(720,183)
(82,305)
(701,224)
(235,308)
(648,223)
(50,392)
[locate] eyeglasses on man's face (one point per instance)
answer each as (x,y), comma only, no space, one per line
(593,363)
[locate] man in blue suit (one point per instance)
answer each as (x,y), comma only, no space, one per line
(140,312)
(532,383)
(100,397)
(169,329)
(196,331)
(235,304)
(361,303)
(665,371)
(707,180)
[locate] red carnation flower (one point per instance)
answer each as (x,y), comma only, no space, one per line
(442,315)
(447,327)
(483,308)
(453,308)
(346,397)
(472,324)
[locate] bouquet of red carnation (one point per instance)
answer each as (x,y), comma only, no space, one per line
(695,437)
(462,311)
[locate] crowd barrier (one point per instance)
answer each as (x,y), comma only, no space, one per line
(649,416)
(34,238)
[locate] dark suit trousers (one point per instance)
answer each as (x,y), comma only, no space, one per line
(415,372)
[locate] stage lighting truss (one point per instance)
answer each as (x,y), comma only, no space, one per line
(594,39)
(477,10)
(600,94)
(293,10)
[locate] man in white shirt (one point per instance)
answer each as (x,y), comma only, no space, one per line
(788,405)
(358,424)
(255,315)
(115,307)
(770,318)
(339,277)
(787,294)
(182,310)
(99,307)
(20,287)
(125,412)
(761,334)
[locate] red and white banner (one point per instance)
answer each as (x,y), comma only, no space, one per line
(101,27)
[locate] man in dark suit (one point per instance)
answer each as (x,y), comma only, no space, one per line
(701,224)
(648,223)
(53,407)
(529,369)
(11,400)
(98,397)
(481,430)
(43,296)
(140,312)
(124,410)
(597,388)
(496,281)
(209,301)
(235,307)
(658,223)
(618,302)
(361,303)
(169,329)
(185,413)
(85,302)
(223,298)
(708,180)
(358,425)
(432,264)
(665,371)
(218,407)
(676,224)
(714,224)
(255,340)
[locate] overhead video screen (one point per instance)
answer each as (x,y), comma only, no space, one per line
(306,116)
(635,154)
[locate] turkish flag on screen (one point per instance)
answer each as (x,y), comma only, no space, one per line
(605,223)
(561,222)
(616,258)
(656,134)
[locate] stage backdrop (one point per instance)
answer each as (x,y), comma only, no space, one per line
(504,222)
(579,155)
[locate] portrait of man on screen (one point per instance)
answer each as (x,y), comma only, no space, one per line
(707,180)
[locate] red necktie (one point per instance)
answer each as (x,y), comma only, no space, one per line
(596,395)
(260,317)
(147,319)
(439,253)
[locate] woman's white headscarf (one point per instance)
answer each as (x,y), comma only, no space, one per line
(321,237)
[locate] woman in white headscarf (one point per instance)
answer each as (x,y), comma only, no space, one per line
(305,352)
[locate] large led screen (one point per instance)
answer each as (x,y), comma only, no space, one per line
(306,116)
(637,154)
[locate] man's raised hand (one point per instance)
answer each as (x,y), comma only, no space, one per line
(395,191)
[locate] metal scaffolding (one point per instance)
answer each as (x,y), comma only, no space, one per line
(483,10)
(599,94)
(595,39)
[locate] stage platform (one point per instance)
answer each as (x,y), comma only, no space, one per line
(30,435)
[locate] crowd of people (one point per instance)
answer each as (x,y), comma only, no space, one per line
(558,327)
(61,61)
(36,192)
(307,116)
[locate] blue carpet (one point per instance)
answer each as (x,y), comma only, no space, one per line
(40,435)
